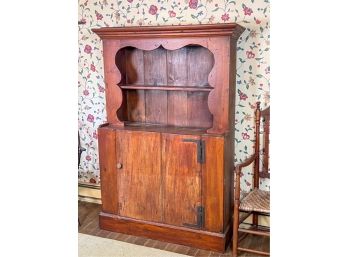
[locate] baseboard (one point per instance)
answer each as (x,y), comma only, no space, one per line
(89,193)
(89,185)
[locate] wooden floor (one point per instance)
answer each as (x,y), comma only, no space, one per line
(88,216)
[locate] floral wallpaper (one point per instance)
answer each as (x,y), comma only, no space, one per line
(253,67)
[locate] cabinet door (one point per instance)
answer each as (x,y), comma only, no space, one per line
(139,174)
(181,180)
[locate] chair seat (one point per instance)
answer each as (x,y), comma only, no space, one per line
(256,200)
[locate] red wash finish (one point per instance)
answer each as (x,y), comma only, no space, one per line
(166,153)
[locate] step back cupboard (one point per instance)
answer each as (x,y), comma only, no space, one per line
(166,151)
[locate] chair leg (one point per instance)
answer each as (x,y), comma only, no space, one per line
(235,230)
(255,219)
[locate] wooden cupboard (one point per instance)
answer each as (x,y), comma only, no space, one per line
(166,153)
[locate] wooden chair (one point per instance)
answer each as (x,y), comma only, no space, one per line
(257,201)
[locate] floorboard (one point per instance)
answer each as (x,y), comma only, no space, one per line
(88,216)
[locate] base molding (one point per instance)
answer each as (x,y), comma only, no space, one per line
(168,233)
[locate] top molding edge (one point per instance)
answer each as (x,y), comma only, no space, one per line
(205,30)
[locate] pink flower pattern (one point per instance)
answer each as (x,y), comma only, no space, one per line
(250,54)
(90,118)
(101,89)
(193,4)
(88,49)
(172,14)
(252,61)
(98,16)
(245,136)
(92,67)
(242,96)
(247,11)
(225,17)
(153,9)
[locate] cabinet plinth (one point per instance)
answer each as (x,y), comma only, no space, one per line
(166,153)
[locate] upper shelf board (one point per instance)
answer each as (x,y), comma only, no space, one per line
(167,88)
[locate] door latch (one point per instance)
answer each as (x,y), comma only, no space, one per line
(200,148)
(200,219)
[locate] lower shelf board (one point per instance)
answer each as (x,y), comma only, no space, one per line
(179,235)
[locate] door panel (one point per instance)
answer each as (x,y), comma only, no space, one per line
(138,158)
(181,180)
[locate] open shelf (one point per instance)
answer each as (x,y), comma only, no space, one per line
(161,128)
(167,88)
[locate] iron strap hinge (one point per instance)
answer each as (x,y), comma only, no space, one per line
(200,148)
(200,219)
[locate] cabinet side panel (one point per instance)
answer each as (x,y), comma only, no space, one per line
(228,179)
(219,78)
(120,61)
(229,148)
(213,183)
(139,175)
(232,93)
(108,180)
(112,75)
